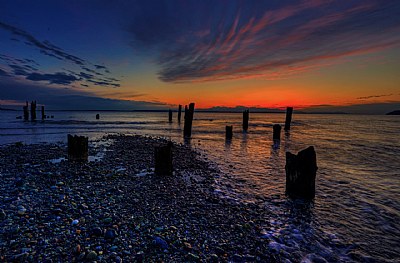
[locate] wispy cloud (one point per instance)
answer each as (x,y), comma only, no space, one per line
(374,96)
(261,39)
(29,68)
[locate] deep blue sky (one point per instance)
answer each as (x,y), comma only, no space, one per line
(151,54)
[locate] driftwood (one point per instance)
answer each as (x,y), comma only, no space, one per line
(301,170)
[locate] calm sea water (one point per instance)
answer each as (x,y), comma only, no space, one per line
(356,212)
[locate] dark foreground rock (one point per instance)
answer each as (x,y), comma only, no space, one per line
(116,210)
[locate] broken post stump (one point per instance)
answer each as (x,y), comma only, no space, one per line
(245,120)
(43,114)
(77,148)
(97,116)
(276,135)
(228,132)
(289,111)
(33,110)
(163,159)
(170,115)
(26,112)
(187,129)
(179,113)
(301,170)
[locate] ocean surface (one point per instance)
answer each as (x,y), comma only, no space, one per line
(356,213)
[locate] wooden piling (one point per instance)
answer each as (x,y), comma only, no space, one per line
(187,131)
(43,114)
(301,170)
(26,112)
(245,120)
(179,113)
(163,159)
(33,110)
(276,136)
(169,115)
(97,116)
(78,148)
(289,111)
(228,132)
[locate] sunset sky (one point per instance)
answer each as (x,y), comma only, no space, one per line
(156,54)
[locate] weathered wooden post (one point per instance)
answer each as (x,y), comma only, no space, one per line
(26,112)
(245,120)
(33,110)
(163,159)
(276,135)
(289,111)
(187,130)
(43,114)
(97,116)
(301,170)
(228,132)
(169,115)
(179,113)
(77,148)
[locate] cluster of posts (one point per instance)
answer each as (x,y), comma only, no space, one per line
(300,169)
(33,112)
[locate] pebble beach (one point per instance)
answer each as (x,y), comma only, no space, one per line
(114,209)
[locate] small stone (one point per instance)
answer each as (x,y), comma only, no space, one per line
(159,242)
(21,210)
(113,248)
(107,220)
(75,222)
(77,249)
(2,215)
(110,234)
(91,256)
(97,231)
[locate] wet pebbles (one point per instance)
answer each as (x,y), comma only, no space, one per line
(115,210)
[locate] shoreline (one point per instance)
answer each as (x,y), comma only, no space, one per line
(115,209)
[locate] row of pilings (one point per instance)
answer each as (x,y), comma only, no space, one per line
(32,112)
(300,169)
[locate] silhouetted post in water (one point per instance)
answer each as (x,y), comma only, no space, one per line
(229,132)
(187,131)
(245,120)
(97,116)
(26,112)
(163,159)
(170,115)
(77,148)
(33,110)
(289,111)
(43,115)
(179,113)
(277,132)
(301,170)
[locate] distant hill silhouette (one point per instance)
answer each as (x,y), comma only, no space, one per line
(395,112)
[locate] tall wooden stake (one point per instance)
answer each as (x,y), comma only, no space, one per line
(228,132)
(43,115)
(301,170)
(179,113)
(289,111)
(163,159)
(33,110)
(170,115)
(245,120)
(26,112)
(187,131)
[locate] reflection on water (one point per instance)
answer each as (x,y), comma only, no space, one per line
(356,213)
